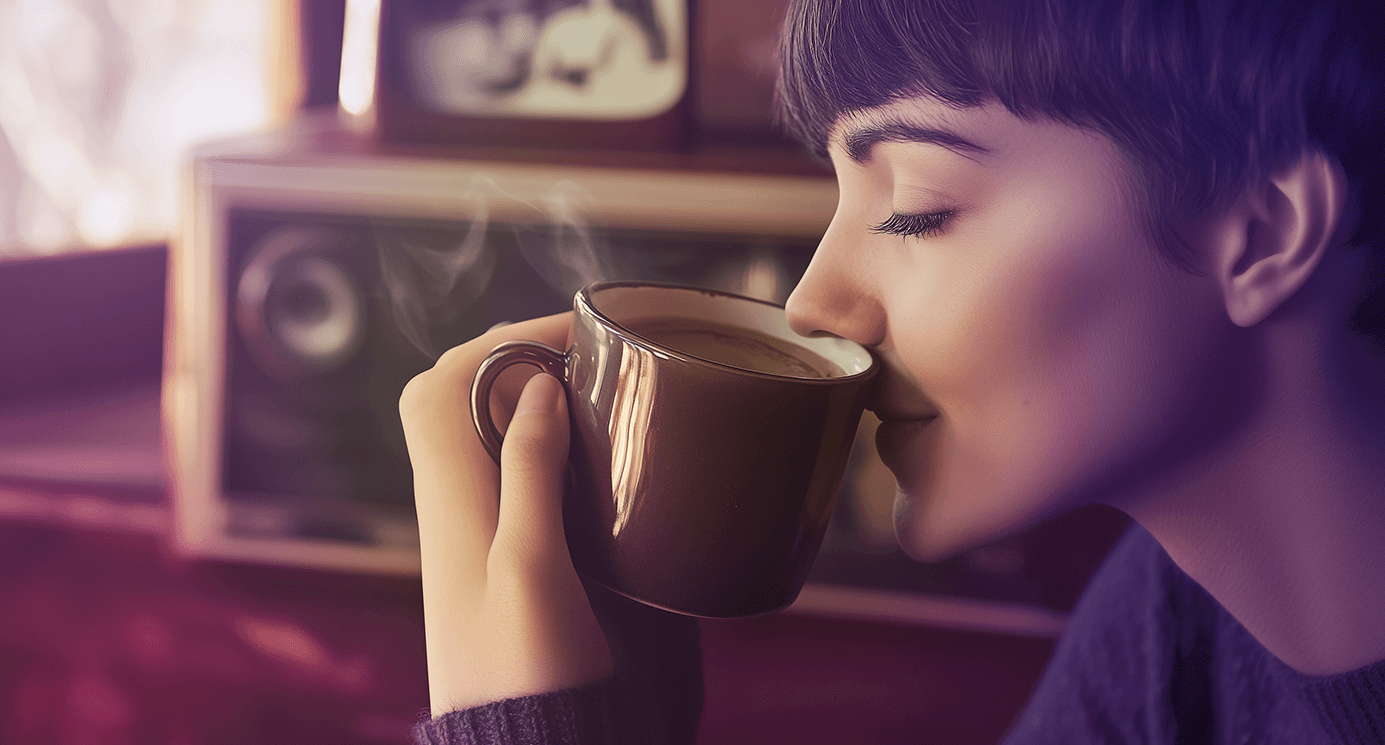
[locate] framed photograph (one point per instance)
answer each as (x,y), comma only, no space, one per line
(568,73)
(737,63)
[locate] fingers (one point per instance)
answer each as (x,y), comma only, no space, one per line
(456,484)
(533,460)
(504,611)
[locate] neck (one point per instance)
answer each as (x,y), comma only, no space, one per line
(1281,521)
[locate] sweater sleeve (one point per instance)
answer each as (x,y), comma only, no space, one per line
(655,697)
(568,717)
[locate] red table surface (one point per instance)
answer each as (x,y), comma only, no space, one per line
(105,639)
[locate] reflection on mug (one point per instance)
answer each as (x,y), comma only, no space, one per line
(635,387)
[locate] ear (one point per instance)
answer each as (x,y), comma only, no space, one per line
(1275,236)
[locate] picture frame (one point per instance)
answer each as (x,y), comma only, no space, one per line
(602,74)
(737,56)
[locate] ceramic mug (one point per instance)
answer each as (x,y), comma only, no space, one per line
(708,443)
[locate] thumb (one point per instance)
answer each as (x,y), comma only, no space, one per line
(533,459)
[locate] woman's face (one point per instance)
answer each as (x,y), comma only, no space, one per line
(1038,352)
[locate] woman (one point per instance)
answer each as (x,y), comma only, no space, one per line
(1126,252)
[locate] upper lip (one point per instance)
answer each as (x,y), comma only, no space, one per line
(894,400)
(897,397)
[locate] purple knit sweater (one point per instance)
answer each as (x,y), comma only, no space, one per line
(1149,657)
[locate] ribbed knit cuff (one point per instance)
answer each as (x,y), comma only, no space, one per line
(576,716)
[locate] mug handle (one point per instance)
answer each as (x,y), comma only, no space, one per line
(510,353)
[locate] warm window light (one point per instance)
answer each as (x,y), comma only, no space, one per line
(357,87)
(107,215)
(99,99)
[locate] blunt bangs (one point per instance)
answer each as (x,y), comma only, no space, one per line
(837,57)
(1203,98)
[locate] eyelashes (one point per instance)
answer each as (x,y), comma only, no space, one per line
(921,226)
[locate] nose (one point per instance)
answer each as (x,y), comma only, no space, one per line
(837,294)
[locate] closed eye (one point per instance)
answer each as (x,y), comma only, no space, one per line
(922,226)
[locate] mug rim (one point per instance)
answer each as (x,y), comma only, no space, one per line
(631,337)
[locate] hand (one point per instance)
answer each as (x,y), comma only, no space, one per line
(504,612)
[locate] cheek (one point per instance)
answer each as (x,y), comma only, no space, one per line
(1054,373)
(1129,349)
(989,358)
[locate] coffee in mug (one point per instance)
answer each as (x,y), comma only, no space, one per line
(708,443)
(735,346)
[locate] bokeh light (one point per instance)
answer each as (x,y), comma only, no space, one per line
(100,98)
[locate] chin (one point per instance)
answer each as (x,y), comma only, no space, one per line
(922,536)
(927,531)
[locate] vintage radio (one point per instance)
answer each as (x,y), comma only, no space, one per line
(310,285)
(312,281)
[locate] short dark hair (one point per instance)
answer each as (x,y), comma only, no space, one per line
(1202,97)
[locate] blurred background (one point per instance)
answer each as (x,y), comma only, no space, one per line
(231,230)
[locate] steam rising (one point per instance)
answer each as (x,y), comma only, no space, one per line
(431,285)
(561,248)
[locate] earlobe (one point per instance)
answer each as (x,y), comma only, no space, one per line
(1277,234)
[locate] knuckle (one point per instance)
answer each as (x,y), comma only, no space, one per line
(415,397)
(459,362)
(465,357)
(455,368)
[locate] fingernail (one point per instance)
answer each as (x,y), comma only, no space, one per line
(540,394)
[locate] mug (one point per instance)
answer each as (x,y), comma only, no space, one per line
(708,443)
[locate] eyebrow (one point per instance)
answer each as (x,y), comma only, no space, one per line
(860,141)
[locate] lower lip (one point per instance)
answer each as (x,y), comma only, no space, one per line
(892,439)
